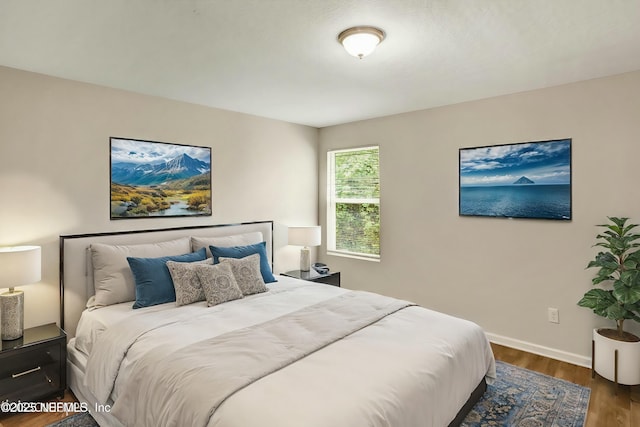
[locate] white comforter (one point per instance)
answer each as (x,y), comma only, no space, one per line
(413,368)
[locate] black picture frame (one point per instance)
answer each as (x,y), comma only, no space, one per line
(520,180)
(151,179)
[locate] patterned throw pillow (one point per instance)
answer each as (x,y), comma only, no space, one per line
(218,283)
(247,273)
(153,279)
(243,251)
(185,281)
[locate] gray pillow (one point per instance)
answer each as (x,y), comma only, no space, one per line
(226,241)
(185,281)
(247,273)
(112,277)
(218,283)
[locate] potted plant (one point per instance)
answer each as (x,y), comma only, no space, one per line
(616,297)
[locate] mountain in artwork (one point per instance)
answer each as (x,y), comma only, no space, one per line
(180,167)
(523,180)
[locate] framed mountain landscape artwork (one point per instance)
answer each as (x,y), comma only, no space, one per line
(522,180)
(157,179)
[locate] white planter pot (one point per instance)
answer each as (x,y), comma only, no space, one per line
(628,359)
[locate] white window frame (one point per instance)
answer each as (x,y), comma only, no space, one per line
(332,201)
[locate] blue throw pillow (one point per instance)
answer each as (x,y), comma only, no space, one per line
(153,279)
(244,251)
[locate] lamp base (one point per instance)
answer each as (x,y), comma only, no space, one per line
(11,315)
(305,259)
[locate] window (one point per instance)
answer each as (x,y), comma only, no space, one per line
(353,203)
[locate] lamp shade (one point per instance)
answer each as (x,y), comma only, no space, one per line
(19,265)
(361,41)
(305,236)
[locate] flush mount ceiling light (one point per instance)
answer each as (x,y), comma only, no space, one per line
(361,41)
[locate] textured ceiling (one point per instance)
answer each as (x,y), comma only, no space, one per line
(280,58)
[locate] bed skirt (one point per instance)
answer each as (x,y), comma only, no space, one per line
(476,395)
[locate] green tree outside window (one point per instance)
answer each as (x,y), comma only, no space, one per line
(354,205)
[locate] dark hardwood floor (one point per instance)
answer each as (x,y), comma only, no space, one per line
(37,419)
(607,408)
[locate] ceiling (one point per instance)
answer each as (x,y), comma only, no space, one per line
(280,58)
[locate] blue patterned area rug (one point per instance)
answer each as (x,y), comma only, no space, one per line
(76,420)
(518,398)
(523,398)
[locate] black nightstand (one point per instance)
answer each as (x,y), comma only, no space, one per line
(34,367)
(331,278)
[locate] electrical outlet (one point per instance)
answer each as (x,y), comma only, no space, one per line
(553,315)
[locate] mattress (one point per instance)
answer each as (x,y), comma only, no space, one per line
(415,367)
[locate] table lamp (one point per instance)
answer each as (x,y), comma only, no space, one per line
(19,265)
(305,237)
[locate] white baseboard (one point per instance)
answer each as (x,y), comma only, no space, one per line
(552,353)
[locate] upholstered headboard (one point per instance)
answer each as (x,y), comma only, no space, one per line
(76,286)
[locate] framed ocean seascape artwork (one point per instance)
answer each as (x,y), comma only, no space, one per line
(158,179)
(522,180)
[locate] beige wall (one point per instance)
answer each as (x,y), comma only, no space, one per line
(500,273)
(54,167)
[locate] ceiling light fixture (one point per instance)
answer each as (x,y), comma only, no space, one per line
(361,41)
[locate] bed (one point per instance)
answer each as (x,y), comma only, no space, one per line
(297,354)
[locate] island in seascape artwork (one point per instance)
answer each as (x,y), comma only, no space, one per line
(524,180)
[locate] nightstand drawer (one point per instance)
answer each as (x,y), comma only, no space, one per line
(31,373)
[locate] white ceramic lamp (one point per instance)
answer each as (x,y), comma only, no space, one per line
(19,265)
(305,237)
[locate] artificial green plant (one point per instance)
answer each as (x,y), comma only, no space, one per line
(618,277)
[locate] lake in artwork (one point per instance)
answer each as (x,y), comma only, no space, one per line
(525,180)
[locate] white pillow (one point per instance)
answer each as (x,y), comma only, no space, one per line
(112,277)
(225,241)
